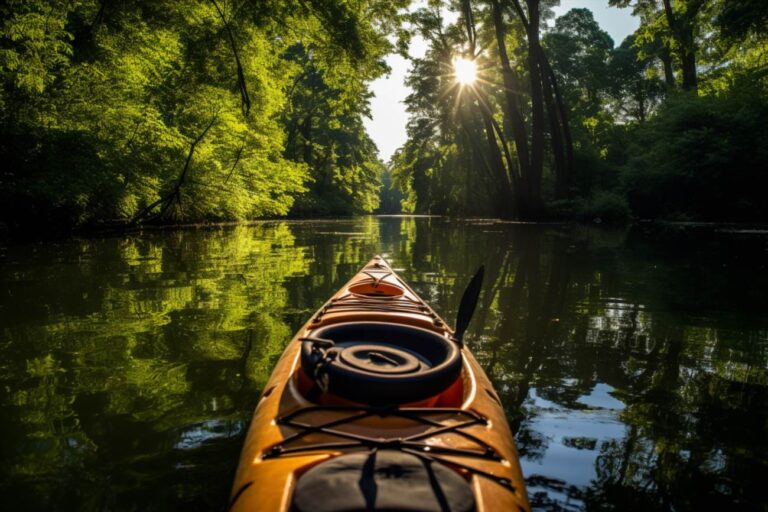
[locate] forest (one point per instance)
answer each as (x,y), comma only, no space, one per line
(138,112)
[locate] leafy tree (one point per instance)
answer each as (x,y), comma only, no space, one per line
(679,24)
(429,166)
(391,195)
(580,52)
(739,19)
(482,146)
(702,158)
(635,89)
(159,111)
(325,131)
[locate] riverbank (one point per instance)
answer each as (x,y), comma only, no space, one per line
(121,228)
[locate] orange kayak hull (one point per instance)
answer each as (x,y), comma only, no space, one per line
(456,426)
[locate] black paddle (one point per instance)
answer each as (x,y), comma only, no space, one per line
(468,304)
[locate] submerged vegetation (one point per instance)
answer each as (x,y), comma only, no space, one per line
(179,111)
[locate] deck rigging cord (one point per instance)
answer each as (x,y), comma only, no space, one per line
(414,444)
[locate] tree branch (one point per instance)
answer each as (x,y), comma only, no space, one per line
(237,160)
(244,97)
(174,196)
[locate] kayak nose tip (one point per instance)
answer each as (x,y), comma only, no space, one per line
(377,261)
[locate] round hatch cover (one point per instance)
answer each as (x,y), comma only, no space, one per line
(383,480)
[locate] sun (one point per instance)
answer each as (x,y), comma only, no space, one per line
(465,71)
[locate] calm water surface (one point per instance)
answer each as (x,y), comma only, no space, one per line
(633,364)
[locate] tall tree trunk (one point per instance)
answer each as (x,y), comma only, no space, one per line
(682,28)
(565,124)
(537,112)
(561,186)
(513,118)
(558,121)
(669,72)
(306,133)
(508,176)
(544,93)
(497,164)
(690,77)
(505,207)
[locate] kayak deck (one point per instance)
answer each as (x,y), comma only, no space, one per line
(295,427)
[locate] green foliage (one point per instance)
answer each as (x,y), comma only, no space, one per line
(324,126)
(391,195)
(674,155)
(580,53)
(637,140)
(37,43)
(703,158)
(212,110)
(738,19)
(602,207)
(606,206)
(102,103)
(635,87)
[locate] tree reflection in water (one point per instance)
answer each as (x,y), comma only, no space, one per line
(632,364)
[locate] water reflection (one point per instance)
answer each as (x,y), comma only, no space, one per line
(633,364)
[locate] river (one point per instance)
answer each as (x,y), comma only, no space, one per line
(632,363)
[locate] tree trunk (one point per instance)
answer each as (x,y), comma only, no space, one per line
(245,98)
(174,196)
(306,133)
(690,78)
(669,73)
(513,119)
(682,31)
(498,165)
(497,162)
(558,121)
(561,187)
(537,112)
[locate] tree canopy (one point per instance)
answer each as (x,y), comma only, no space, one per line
(202,109)
(564,122)
(161,111)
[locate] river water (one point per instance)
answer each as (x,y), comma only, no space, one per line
(632,363)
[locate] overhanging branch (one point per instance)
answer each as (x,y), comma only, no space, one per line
(174,196)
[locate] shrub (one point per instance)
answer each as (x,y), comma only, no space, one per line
(705,158)
(602,207)
(605,206)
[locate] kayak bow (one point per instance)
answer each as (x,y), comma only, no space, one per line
(374,405)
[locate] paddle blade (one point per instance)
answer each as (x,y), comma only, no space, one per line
(468,303)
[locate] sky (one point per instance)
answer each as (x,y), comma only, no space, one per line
(387,126)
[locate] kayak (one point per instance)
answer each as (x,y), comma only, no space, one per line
(377,405)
